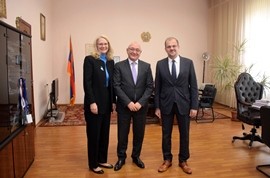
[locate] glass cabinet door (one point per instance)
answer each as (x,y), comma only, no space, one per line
(27,67)
(14,63)
(4,106)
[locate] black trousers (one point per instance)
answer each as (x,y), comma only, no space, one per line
(183,127)
(98,130)
(123,128)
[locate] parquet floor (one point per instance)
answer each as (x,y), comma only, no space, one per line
(61,153)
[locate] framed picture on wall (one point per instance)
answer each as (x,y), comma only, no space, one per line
(42,27)
(3,10)
(116,59)
(23,25)
(89,48)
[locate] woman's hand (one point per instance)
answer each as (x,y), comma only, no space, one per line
(94,108)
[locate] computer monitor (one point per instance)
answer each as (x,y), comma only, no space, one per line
(54,91)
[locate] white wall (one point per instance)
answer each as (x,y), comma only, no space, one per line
(121,20)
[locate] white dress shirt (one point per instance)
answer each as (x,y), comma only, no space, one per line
(177,65)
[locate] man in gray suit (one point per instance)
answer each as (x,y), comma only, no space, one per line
(133,84)
(176,94)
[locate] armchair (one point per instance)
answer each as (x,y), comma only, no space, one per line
(265,120)
(206,101)
(247,91)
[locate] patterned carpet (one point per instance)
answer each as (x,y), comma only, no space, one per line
(207,115)
(74,116)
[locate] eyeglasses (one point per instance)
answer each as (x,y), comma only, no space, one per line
(102,44)
(135,50)
(173,46)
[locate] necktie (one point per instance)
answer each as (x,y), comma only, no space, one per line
(134,72)
(173,70)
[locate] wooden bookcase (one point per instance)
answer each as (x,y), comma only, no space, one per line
(17,150)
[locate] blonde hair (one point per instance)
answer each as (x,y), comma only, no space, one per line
(96,53)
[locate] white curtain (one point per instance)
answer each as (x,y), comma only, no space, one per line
(233,21)
(227,19)
(257,34)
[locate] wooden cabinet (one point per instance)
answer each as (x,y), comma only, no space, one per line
(18,154)
(29,144)
(6,161)
(23,151)
(16,137)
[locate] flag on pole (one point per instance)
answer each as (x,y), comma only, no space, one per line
(71,73)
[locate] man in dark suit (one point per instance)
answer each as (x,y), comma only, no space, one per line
(133,84)
(176,94)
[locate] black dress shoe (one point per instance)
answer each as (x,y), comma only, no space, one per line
(105,165)
(119,165)
(97,172)
(138,162)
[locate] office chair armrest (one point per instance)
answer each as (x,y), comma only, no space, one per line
(245,103)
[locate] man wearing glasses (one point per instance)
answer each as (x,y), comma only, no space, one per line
(133,84)
(176,94)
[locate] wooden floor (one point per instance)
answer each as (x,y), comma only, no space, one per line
(61,153)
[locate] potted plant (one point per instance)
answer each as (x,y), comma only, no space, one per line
(226,70)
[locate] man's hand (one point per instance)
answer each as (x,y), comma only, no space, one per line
(131,106)
(192,113)
(134,106)
(138,106)
(158,113)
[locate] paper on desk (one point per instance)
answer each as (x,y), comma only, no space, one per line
(29,118)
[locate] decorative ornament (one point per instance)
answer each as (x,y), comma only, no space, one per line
(17,22)
(146,36)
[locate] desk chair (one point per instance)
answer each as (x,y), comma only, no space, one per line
(247,91)
(265,121)
(206,101)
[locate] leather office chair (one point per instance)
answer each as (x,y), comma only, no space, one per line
(247,91)
(265,120)
(206,101)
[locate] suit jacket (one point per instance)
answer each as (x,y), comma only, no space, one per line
(94,83)
(125,88)
(183,91)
